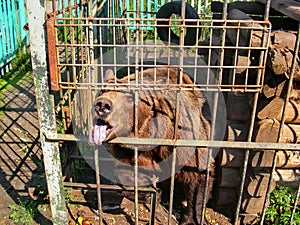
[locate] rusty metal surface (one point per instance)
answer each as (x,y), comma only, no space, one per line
(52,54)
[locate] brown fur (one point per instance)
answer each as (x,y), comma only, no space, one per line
(155,119)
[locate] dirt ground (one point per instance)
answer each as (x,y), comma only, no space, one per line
(21,167)
(22,177)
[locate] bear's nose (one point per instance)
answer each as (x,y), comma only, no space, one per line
(103,106)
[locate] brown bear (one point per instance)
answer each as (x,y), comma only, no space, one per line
(164,106)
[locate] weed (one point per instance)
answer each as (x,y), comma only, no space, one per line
(23,213)
(281,205)
(68,195)
(21,66)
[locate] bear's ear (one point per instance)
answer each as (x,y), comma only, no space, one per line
(109,75)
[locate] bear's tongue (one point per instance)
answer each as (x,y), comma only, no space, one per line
(99,133)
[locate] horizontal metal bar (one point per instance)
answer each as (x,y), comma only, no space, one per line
(184,143)
(144,87)
(147,45)
(220,22)
(109,187)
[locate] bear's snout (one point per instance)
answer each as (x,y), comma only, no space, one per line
(103,106)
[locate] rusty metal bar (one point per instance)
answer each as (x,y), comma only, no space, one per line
(52,55)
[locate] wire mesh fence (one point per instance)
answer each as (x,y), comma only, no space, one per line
(156,92)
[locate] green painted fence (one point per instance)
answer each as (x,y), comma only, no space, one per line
(13,17)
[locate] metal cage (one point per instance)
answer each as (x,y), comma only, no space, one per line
(226,60)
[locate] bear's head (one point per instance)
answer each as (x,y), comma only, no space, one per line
(148,111)
(160,104)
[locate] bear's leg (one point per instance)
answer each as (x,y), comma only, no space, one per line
(195,201)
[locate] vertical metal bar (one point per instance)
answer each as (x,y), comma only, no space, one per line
(22,20)
(235,55)
(136,102)
(153,207)
(97,170)
(174,159)
(5,34)
(290,84)
(2,42)
(295,204)
(225,6)
(287,97)
(223,34)
(11,25)
(181,48)
(267,10)
(252,119)
(136,192)
(172,185)
(246,158)
(212,137)
(46,111)
(52,57)
(200,7)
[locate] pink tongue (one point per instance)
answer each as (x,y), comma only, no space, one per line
(98,134)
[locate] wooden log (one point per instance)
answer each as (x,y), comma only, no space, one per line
(287,7)
(229,177)
(236,131)
(283,23)
(280,61)
(260,159)
(257,185)
(292,112)
(226,196)
(271,109)
(253,205)
(242,63)
(276,61)
(274,85)
(231,157)
(280,55)
(247,7)
(248,218)
(284,159)
(283,39)
(277,19)
(295,93)
(274,109)
(290,177)
(239,106)
(267,131)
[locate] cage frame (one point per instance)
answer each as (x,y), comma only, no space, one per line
(50,137)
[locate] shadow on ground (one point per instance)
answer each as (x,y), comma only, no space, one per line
(22,177)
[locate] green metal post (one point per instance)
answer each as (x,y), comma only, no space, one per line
(36,20)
